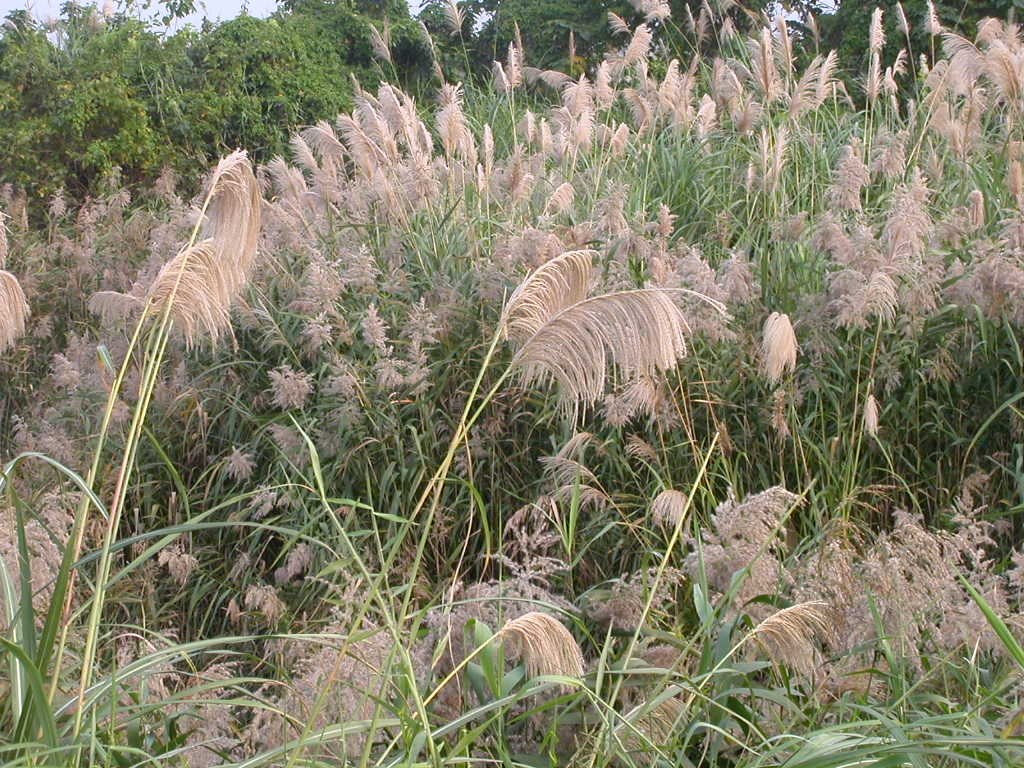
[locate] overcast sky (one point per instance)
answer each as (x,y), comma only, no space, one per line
(212,9)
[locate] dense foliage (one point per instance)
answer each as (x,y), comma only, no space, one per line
(87,95)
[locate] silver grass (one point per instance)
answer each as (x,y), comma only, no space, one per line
(901,19)
(456,138)
(827,82)
(669,508)
(184,284)
(556,285)
(871,416)
(658,10)
(365,152)
(289,183)
(322,140)
(876,32)
(380,43)
(642,332)
(577,95)
(575,445)
(932,25)
(778,347)
(762,66)
(454,16)
(3,240)
(14,310)
(789,635)
(113,306)
(976,208)
(565,471)
(544,644)
(561,199)
(198,285)
(604,91)
(303,155)
(784,47)
(639,46)
(812,26)
(618,24)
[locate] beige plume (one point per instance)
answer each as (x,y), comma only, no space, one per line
(14,310)
(552,287)
(544,644)
(871,416)
(454,17)
(778,347)
(669,508)
(198,285)
(642,332)
(788,635)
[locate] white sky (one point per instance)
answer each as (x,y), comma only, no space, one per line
(211,9)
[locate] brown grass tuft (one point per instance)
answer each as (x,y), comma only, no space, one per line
(544,644)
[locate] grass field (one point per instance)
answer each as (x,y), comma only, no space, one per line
(668,415)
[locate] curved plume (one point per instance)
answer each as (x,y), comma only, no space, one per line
(187,283)
(14,310)
(544,644)
(198,285)
(642,332)
(549,289)
(322,140)
(788,635)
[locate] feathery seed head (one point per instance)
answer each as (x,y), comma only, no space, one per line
(14,310)
(669,508)
(544,645)
(778,347)
(198,285)
(871,416)
(788,635)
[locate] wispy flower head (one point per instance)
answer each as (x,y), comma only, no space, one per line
(778,347)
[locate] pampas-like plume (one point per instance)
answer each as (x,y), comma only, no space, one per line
(762,66)
(14,309)
(788,634)
(198,285)
(561,199)
(876,33)
(618,24)
(3,240)
(544,645)
(640,46)
(642,332)
(456,138)
(556,285)
(871,416)
(454,17)
(778,347)
(976,209)
(113,306)
(380,42)
(669,508)
(185,284)
(322,140)
(932,25)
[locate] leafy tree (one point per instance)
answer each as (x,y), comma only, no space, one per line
(90,94)
(846,30)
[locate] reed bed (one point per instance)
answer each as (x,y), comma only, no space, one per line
(667,414)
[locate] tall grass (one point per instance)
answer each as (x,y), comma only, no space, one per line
(636,419)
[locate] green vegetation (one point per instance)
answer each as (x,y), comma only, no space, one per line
(90,95)
(667,413)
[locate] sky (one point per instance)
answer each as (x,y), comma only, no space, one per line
(211,9)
